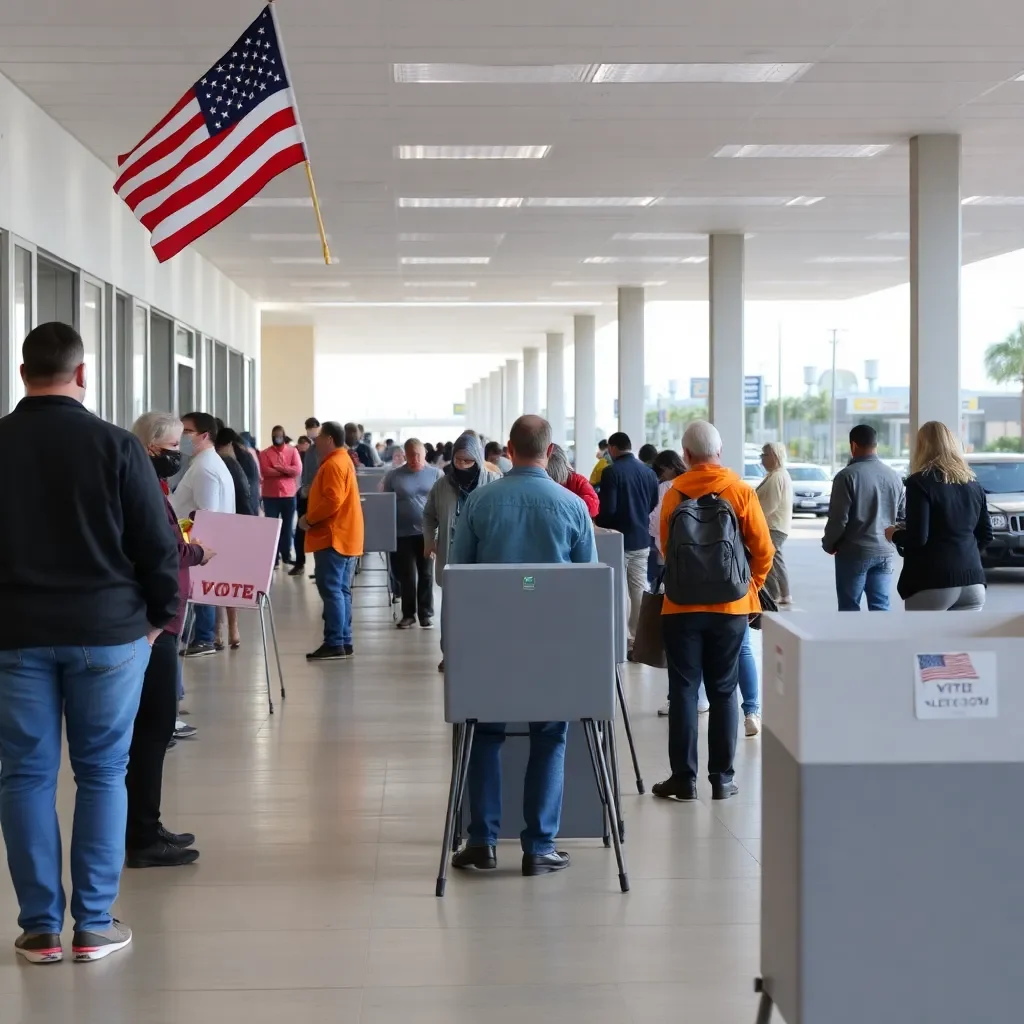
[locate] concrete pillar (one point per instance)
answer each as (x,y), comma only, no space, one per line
(483,423)
(935,257)
(513,399)
(473,419)
(556,387)
(467,407)
(631,365)
(585,379)
(725,293)
(287,376)
(497,402)
(531,381)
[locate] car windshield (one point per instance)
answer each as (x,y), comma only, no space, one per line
(752,469)
(808,473)
(1000,477)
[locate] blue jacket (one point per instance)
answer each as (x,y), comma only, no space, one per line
(523,517)
(629,494)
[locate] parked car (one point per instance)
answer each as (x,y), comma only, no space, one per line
(1002,477)
(812,488)
(753,471)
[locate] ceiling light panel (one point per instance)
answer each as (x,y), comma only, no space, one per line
(439,261)
(458,202)
(590,201)
(889,236)
(724,201)
(440,298)
(993,201)
(740,74)
(502,74)
(472,152)
(646,259)
(450,285)
(796,152)
(322,283)
(282,261)
(272,203)
(805,201)
(659,236)
(857,259)
(307,236)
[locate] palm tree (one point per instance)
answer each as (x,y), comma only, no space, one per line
(1004,363)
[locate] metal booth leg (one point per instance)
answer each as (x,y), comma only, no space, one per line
(188,626)
(598,778)
(612,748)
(629,731)
(266,655)
(765,1007)
(273,636)
(611,806)
(460,766)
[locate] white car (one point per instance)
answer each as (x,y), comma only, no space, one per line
(812,488)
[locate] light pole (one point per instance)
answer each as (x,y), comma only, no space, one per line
(832,400)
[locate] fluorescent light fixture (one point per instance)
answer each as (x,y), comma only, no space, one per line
(786,151)
(889,236)
(439,284)
(590,201)
(448,236)
(322,283)
(436,299)
(646,259)
(443,260)
(738,74)
(426,303)
(993,201)
(724,201)
(482,74)
(857,259)
(659,236)
(282,261)
(805,200)
(653,284)
(308,236)
(272,203)
(458,202)
(472,152)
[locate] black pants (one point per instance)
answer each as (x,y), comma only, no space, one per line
(300,535)
(708,644)
(416,578)
(154,726)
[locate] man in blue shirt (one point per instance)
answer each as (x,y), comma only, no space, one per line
(524,517)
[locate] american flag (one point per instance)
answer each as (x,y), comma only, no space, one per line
(234,130)
(938,668)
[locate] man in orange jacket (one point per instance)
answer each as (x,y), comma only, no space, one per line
(334,536)
(705,639)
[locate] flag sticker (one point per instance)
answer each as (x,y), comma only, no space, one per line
(956,684)
(529,583)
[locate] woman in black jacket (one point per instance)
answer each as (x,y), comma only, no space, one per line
(946,528)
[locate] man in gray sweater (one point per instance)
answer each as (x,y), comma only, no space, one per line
(867,497)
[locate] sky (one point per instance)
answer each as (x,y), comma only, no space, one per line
(875,326)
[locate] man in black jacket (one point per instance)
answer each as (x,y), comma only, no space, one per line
(629,494)
(88,577)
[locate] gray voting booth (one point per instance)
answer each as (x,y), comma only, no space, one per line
(380,533)
(567,673)
(369,478)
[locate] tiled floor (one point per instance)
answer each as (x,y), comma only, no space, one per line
(320,833)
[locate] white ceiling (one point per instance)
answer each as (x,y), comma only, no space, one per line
(880,73)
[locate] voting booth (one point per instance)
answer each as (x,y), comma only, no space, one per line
(893,767)
(380,533)
(369,478)
(563,670)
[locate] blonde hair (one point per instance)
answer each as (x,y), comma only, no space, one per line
(938,450)
(778,450)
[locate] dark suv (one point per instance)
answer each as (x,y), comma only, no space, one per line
(1002,477)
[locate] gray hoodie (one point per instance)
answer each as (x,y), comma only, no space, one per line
(445,499)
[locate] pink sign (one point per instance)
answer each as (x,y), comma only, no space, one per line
(243,567)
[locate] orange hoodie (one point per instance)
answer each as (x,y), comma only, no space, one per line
(705,479)
(333,512)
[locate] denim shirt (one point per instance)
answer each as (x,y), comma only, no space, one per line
(523,517)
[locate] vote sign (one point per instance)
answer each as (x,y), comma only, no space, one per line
(243,567)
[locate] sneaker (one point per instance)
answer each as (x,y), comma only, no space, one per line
(427,623)
(160,854)
(88,946)
(663,710)
(783,601)
(327,653)
(39,947)
(703,709)
(752,725)
(200,650)
(349,651)
(407,623)
(183,731)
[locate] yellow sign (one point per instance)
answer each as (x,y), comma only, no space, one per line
(867,405)
(459,409)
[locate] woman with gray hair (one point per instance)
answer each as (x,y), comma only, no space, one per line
(775,492)
(560,470)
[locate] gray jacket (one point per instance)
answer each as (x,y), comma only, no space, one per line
(867,497)
(439,517)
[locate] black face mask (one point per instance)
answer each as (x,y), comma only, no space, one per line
(167,463)
(466,478)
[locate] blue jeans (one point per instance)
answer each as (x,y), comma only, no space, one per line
(858,576)
(750,686)
(334,574)
(205,624)
(542,787)
(96,691)
(283,509)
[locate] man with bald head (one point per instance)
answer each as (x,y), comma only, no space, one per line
(411,485)
(523,517)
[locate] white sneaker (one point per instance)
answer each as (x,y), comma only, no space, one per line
(703,709)
(663,710)
(752,725)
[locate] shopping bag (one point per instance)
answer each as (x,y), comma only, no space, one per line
(649,643)
(767,605)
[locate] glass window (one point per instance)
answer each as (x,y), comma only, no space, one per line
(220,382)
(236,389)
(161,363)
(250,420)
(22,314)
(91,330)
(184,345)
(186,388)
(122,360)
(55,294)
(207,373)
(140,369)
(999,477)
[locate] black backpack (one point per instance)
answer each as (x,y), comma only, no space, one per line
(706,558)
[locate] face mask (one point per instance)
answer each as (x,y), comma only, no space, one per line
(166,463)
(278,441)
(466,478)
(188,446)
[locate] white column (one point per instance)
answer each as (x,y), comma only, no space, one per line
(497,400)
(935,258)
(631,365)
(513,400)
(725,292)
(483,423)
(473,422)
(585,379)
(531,381)
(468,408)
(556,387)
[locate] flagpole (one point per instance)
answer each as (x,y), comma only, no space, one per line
(309,167)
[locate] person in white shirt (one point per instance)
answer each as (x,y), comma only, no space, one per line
(206,485)
(775,492)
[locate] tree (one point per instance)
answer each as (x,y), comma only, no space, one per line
(1004,363)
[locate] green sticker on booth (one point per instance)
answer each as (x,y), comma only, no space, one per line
(528,583)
